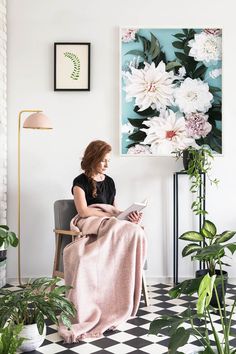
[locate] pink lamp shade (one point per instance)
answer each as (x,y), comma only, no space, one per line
(37,121)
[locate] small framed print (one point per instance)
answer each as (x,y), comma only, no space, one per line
(71,66)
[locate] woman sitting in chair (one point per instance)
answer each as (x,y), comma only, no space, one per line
(105,266)
(93,186)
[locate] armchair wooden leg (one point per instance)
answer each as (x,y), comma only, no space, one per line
(144,291)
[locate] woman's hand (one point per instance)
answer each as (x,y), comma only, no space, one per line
(135,217)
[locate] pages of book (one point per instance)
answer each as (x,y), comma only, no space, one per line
(134,207)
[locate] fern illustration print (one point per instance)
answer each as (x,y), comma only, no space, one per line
(76,62)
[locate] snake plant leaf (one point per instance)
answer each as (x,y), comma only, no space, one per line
(189,249)
(225,236)
(210,227)
(179,339)
(191,236)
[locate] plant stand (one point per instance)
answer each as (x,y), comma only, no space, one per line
(202,194)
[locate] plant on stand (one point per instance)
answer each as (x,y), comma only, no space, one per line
(197,160)
(41,299)
(205,287)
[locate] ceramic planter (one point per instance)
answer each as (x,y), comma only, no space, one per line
(34,339)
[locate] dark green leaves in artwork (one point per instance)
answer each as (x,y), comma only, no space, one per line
(178,44)
(137,52)
(137,122)
(155,47)
(172,65)
(137,136)
(199,72)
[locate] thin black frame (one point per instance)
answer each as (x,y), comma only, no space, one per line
(55,66)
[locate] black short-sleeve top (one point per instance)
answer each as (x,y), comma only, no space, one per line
(106,189)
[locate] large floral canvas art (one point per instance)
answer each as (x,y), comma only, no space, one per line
(171,90)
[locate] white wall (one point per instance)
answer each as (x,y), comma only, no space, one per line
(50,160)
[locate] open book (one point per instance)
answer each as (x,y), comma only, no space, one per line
(134,207)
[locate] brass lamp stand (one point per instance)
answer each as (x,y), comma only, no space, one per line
(36,120)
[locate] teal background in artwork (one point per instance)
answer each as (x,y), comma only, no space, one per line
(165,37)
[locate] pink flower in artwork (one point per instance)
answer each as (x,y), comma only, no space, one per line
(197,125)
(215,31)
(128,34)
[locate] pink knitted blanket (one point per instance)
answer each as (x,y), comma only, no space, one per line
(105,271)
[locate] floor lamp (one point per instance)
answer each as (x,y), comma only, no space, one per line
(36,120)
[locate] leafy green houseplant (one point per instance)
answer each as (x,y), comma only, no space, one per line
(197,161)
(205,287)
(10,340)
(7,237)
(40,299)
(212,245)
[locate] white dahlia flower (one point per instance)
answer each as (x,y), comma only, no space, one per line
(193,96)
(206,47)
(166,133)
(151,86)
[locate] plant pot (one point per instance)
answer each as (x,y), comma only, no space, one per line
(186,159)
(213,302)
(33,338)
(3,255)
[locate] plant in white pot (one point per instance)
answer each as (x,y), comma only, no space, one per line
(7,238)
(205,286)
(30,306)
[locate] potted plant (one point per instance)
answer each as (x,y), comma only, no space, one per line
(7,238)
(197,160)
(208,246)
(10,340)
(205,286)
(41,299)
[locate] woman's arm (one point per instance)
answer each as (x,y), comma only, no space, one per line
(82,207)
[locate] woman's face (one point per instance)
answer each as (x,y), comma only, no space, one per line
(103,165)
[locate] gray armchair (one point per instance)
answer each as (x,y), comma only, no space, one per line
(64,211)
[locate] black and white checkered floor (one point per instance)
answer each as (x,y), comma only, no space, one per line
(132,337)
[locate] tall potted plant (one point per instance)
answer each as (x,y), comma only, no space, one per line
(208,246)
(40,299)
(205,286)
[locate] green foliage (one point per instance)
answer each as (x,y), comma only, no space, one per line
(9,339)
(7,237)
(76,62)
(212,246)
(41,297)
(199,161)
(204,286)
